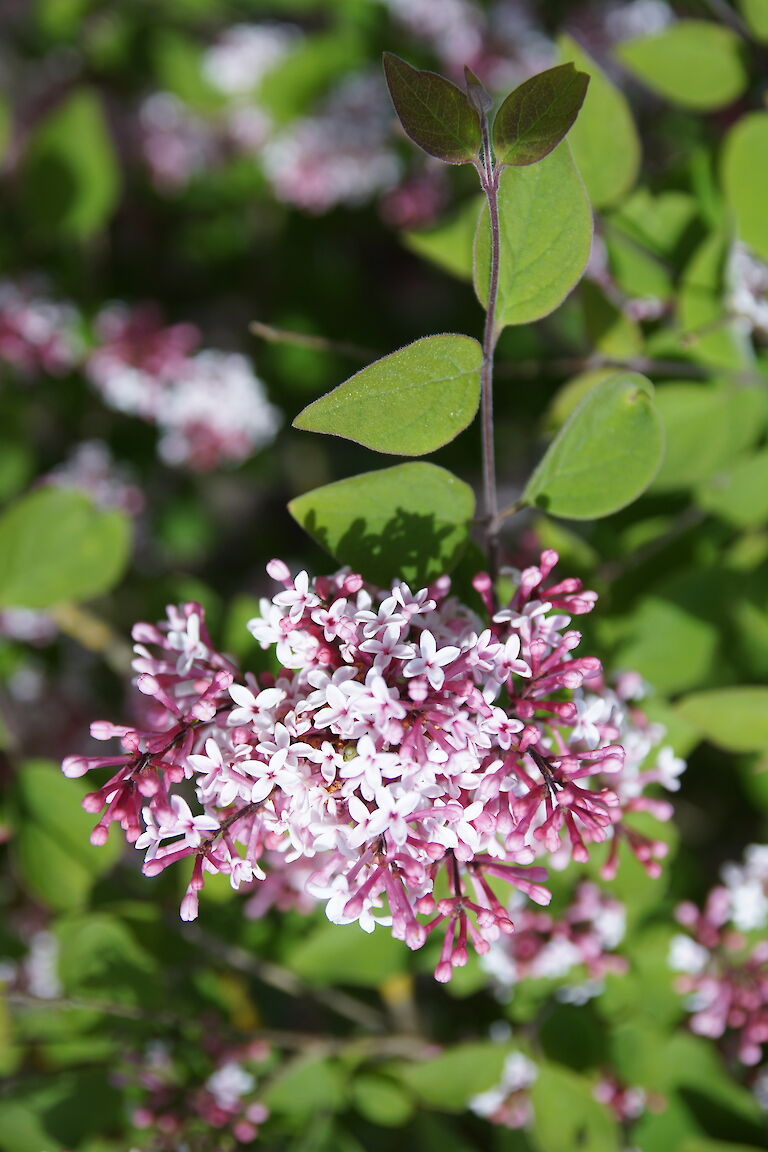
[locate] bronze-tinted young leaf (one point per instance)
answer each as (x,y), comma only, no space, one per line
(536,116)
(434,112)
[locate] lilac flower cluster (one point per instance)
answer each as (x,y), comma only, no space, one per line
(37,333)
(543,946)
(723,958)
(412,753)
(226,1104)
(209,406)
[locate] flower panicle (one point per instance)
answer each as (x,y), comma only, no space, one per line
(409,756)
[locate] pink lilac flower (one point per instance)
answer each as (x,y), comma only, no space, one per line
(508,1103)
(91,468)
(581,939)
(409,751)
(342,154)
(723,958)
(171,1109)
(209,406)
(37,334)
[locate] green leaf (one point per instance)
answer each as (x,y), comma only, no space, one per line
(569,396)
(381,1101)
(410,522)
(709,334)
(342,954)
(735,719)
(71,177)
(707,426)
(308,1084)
(54,857)
(449,245)
(408,403)
(671,648)
(755,12)
(604,456)
(98,954)
(745,179)
(434,112)
(692,62)
(604,140)
(609,330)
(290,88)
(739,495)
(536,116)
(546,232)
(450,1080)
(55,545)
(567,1116)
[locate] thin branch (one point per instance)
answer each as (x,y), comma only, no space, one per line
(286,981)
(274,335)
(94,634)
(530,369)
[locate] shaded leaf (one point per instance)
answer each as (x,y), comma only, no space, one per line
(306,1085)
(434,112)
(334,954)
(566,1114)
(546,232)
(536,116)
(609,330)
(735,719)
(409,522)
(381,1101)
(71,177)
(56,545)
(451,1079)
(449,244)
(709,334)
(694,63)
(707,426)
(739,495)
(409,403)
(604,140)
(55,859)
(604,456)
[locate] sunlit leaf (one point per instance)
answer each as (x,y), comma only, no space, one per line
(56,545)
(745,179)
(755,12)
(408,403)
(735,719)
(694,63)
(546,232)
(604,140)
(71,176)
(604,456)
